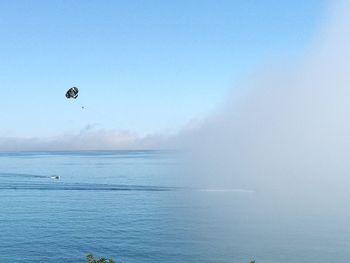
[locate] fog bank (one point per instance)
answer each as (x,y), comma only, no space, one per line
(290,133)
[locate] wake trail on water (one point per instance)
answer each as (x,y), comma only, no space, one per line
(24,175)
(14,184)
(233,190)
(80,187)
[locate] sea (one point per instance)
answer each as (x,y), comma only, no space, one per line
(136,206)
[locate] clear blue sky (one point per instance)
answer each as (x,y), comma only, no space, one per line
(145,66)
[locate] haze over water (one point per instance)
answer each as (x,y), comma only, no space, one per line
(134,207)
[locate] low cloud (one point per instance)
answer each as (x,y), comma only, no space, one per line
(289,135)
(89,138)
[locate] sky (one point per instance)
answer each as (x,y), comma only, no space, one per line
(144,68)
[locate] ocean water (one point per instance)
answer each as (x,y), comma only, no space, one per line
(135,206)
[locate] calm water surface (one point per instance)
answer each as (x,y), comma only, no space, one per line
(134,207)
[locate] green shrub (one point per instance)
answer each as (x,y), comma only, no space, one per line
(90,259)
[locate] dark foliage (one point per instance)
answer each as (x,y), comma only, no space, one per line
(90,259)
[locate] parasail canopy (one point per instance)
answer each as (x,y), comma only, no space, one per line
(72,93)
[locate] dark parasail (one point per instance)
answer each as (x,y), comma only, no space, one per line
(72,93)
